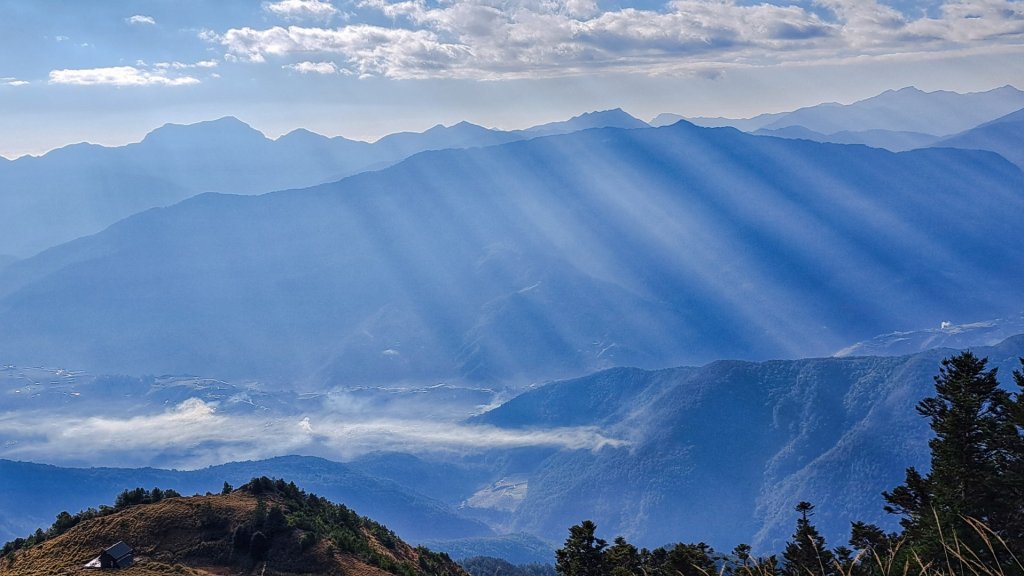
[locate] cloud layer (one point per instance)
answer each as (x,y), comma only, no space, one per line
(483,39)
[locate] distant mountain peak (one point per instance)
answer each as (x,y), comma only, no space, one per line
(462,126)
(609,112)
(614,113)
(614,118)
(301,135)
(302,132)
(221,129)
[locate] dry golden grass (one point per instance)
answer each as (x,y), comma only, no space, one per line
(161,534)
(188,537)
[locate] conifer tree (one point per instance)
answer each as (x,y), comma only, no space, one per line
(742,554)
(622,558)
(583,553)
(973,457)
(806,554)
(1014,485)
(691,559)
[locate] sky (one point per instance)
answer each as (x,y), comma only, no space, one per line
(109,72)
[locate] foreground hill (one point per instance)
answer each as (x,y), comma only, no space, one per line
(537,259)
(412,514)
(266,527)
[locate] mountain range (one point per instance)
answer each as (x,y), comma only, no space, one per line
(1004,135)
(536,259)
(81,189)
(938,113)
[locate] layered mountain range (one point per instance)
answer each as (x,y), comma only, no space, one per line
(439,274)
(898,120)
(83,188)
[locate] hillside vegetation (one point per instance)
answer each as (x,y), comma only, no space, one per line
(266,527)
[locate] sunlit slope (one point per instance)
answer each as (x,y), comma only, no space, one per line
(536,259)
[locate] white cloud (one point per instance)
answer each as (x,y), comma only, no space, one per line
(482,39)
(13,82)
(182,65)
(140,19)
(302,9)
(119,76)
(314,67)
(399,53)
(194,434)
(208,35)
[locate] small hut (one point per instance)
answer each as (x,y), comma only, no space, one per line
(119,555)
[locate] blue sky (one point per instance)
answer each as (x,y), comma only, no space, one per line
(108,72)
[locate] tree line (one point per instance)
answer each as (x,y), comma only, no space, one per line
(964,516)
